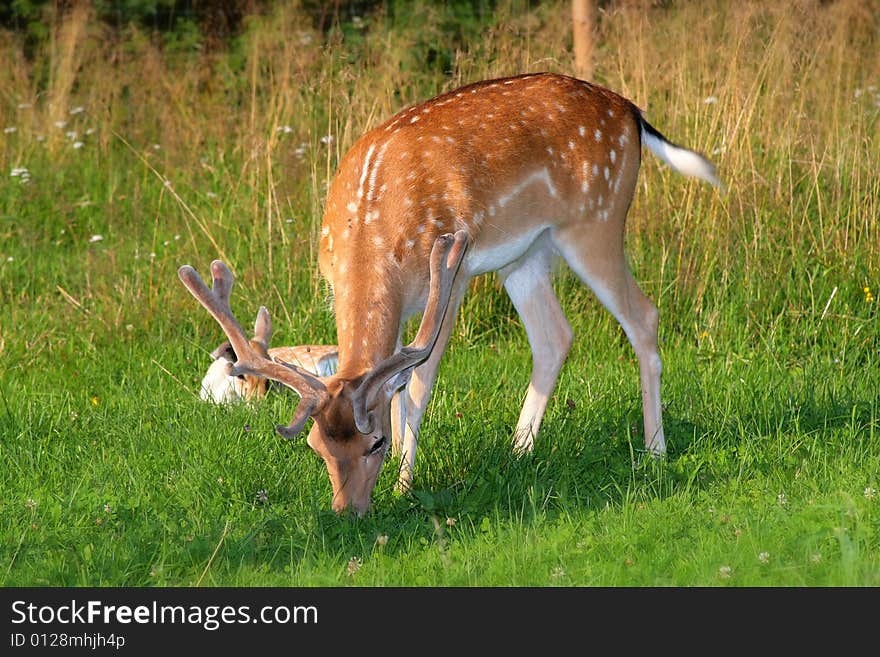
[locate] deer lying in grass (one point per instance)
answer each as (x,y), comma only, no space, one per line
(220,387)
(502,175)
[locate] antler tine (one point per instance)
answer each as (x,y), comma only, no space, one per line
(216,301)
(446,258)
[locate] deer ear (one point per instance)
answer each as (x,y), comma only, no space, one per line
(263,327)
(224,351)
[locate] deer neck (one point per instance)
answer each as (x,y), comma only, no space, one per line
(367,321)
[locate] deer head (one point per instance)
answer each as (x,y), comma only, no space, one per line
(351,430)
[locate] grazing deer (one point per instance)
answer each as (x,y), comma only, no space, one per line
(220,386)
(501,175)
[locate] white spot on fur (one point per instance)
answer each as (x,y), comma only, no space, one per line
(352,206)
(414,119)
(598,135)
(375,169)
(582,130)
(606,173)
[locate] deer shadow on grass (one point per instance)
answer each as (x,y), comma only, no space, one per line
(467,475)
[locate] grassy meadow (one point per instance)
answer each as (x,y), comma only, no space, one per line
(125,155)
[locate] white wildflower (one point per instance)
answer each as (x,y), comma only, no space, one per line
(79,109)
(60,124)
(78,144)
(764,557)
(710,100)
(96,238)
(870,493)
(327,139)
(10,130)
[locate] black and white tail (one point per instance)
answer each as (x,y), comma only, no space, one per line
(683,160)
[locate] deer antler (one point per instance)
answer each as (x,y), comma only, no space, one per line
(446,257)
(216,301)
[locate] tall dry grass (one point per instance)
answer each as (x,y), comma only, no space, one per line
(235,150)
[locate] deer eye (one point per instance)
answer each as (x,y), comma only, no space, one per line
(377,445)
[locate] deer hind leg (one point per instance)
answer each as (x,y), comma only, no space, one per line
(603,268)
(529,287)
(414,398)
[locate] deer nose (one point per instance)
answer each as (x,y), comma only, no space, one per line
(342,505)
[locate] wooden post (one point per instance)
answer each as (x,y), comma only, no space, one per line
(583,14)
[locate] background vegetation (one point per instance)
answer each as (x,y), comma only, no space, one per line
(138,136)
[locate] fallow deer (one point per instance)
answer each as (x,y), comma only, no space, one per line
(221,387)
(522,170)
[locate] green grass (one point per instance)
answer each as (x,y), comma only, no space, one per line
(114,473)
